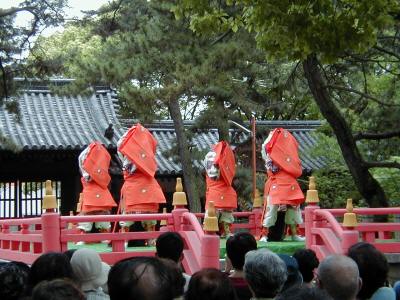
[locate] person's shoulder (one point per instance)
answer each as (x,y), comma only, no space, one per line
(384,293)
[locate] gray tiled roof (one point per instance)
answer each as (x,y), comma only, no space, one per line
(52,122)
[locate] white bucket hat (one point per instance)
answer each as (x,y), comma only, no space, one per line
(89,270)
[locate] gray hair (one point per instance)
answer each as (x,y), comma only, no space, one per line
(265,272)
(339,276)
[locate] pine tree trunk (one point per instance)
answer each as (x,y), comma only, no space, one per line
(184,154)
(366,184)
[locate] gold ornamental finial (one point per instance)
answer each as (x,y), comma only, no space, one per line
(312,193)
(164,222)
(350,218)
(179,198)
(210,223)
(49,200)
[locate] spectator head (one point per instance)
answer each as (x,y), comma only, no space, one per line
(170,245)
(294,276)
(50,266)
(265,273)
(176,278)
(89,270)
(237,246)
(304,292)
(145,278)
(339,276)
(372,265)
(210,284)
(307,261)
(58,289)
(13,281)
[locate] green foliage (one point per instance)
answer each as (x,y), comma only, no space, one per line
(15,41)
(295,29)
(389,179)
(242,183)
(335,186)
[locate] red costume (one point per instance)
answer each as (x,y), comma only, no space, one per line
(94,163)
(141,191)
(219,186)
(96,198)
(282,186)
(282,191)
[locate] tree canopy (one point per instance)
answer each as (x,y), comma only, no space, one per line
(350,56)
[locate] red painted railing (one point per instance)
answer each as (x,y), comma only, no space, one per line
(326,235)
(26,239)
(250,220)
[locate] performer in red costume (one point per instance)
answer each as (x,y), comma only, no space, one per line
(282,191)
(141,192)
(220,170)
(96,198)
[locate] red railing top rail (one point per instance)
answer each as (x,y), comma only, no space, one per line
(192,220)
(15,222)
(327,215)
(238,214)
(366,211)
(115,218)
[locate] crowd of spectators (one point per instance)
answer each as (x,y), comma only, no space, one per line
(250,273)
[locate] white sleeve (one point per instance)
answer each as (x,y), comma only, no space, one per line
(211,169)
(81,159)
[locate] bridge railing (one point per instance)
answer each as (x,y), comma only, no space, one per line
(245,220)
(326,233)
(26,239)
(21,239)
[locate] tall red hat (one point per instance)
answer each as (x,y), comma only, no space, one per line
(139,146)
(225,160)
(282,148)
(96,164)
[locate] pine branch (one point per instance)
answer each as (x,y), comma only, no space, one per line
(350,90)
(386,51)
(383,164)
(376,136)
(13,10)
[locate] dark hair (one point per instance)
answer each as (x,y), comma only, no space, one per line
(176,278)
(69,253)
(58,289)
(142,278)
(49,266)
(13,280)
(372,265)
(210,284)
(303,292)
(170,245)
(237,246)
(307,261)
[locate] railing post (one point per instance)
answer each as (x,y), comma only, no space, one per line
(177,216)
(25,246)
(37,247)
(4,243)
(179,202)
(349,238)
(209,257)
(51,232)
(15,244)
(51,227)
(312,200)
